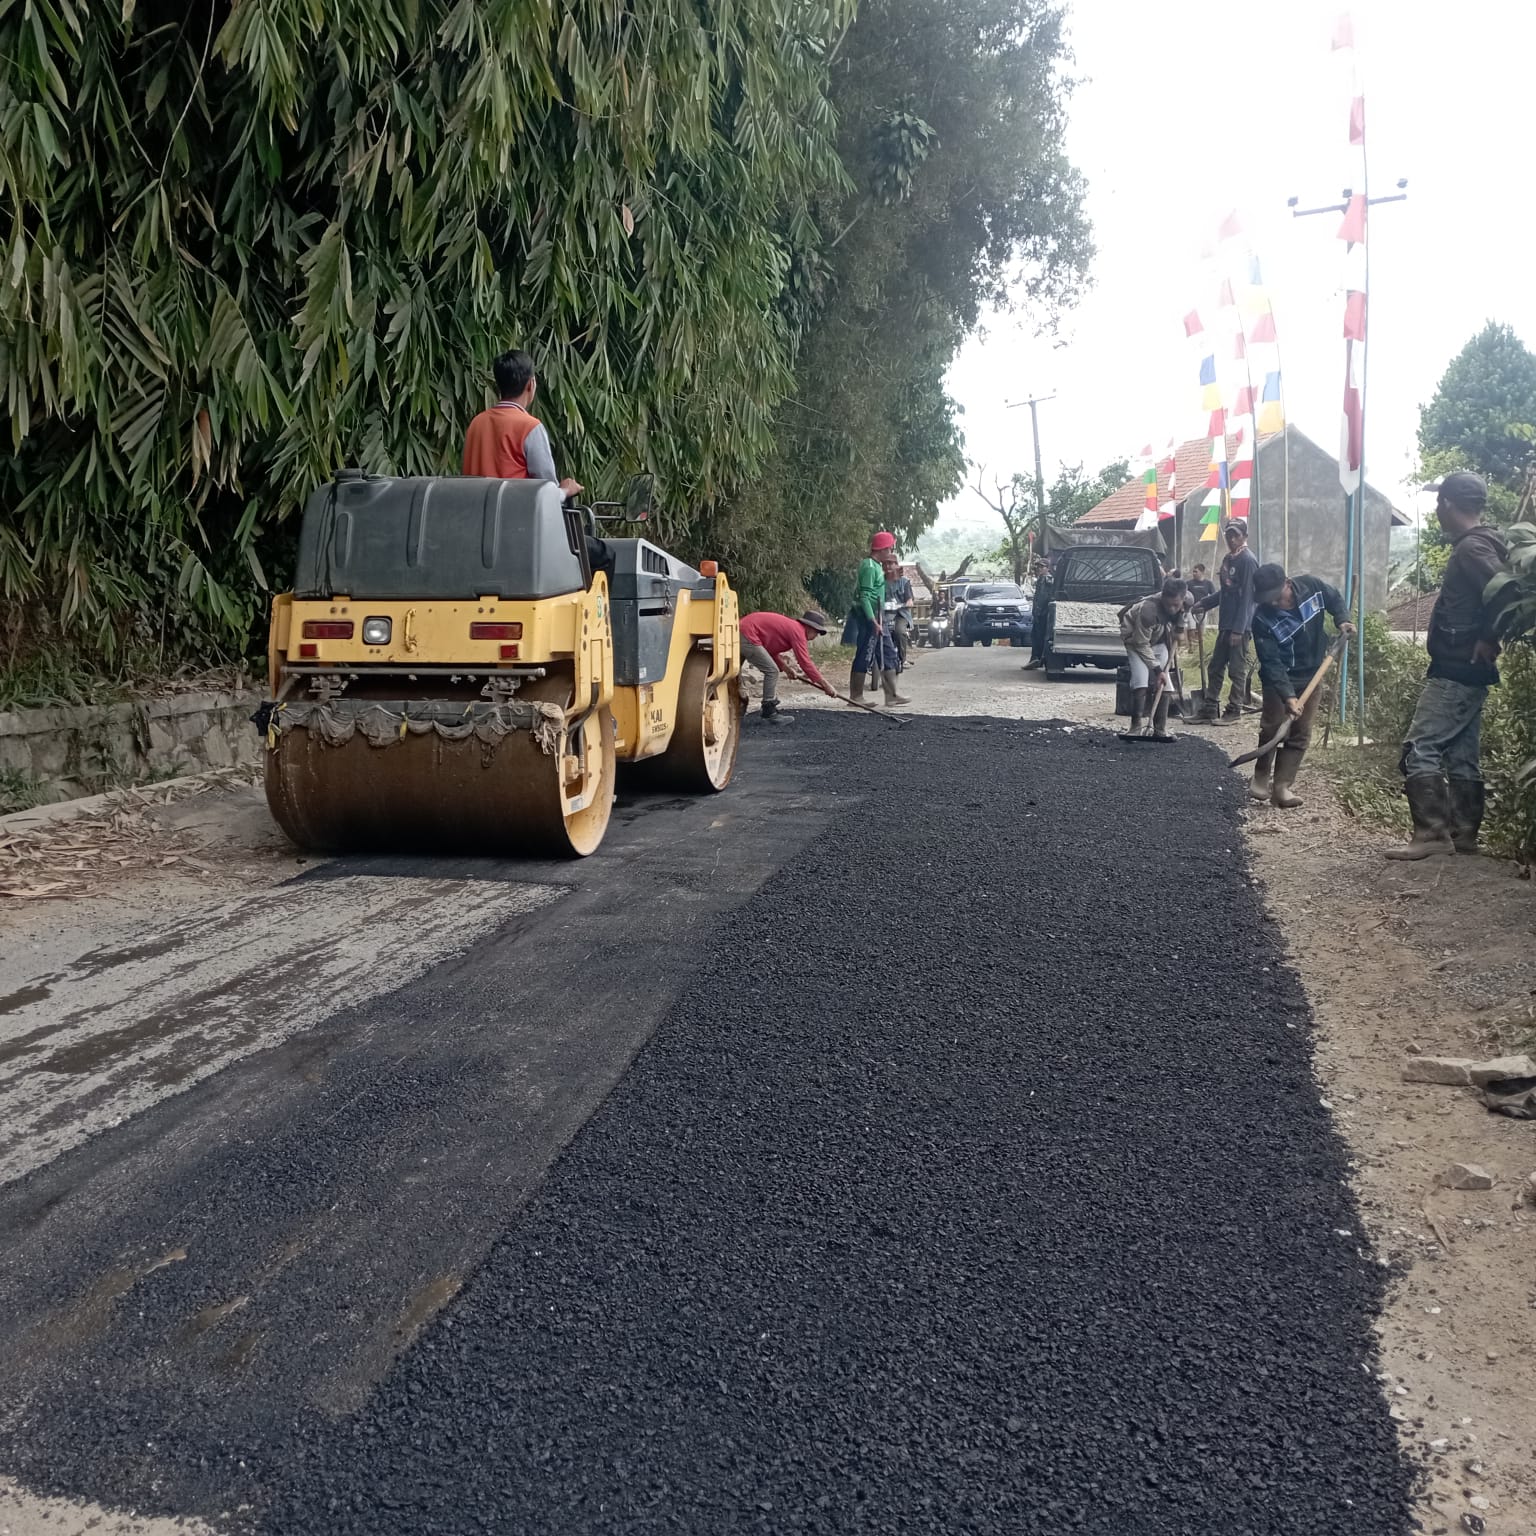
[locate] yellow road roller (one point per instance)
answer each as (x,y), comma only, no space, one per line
(462,663)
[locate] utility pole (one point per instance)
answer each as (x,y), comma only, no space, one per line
(1354,503)
(1034,402)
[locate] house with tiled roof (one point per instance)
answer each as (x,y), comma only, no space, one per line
(1297,516)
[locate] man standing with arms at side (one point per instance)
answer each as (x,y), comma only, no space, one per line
(1234,620)
(507,442)
(1442,757)
(766,637)
(898,606)
(1291,644)
(1039,604)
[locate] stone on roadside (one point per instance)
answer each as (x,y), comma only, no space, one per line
(1500,1069)
(1466,1071)
(1446,1071)
(1465,1176)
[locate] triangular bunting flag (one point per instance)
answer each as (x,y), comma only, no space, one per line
(1354,317)
(1353,227)
(1351,427)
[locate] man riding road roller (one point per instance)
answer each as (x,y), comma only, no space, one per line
(462,662)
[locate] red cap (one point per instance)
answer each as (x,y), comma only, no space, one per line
(882,541)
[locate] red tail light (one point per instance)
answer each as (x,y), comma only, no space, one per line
(327,629)
(495,631)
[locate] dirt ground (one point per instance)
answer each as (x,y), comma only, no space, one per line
(1437,958)
(1434,958)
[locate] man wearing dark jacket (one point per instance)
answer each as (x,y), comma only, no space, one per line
(1441,761)
(1290,642)
(1234,621)
(1040,607)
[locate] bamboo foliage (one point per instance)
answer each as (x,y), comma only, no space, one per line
(249,242)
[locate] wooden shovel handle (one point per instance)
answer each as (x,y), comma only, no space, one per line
(1266,747)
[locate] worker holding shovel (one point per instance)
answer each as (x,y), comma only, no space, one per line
(1149,629)
(876,648)
(1292,648)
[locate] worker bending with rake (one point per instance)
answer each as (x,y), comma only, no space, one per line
(1291,646)
(767,638)
(1148,629)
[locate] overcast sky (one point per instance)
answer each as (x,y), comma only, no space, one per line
(1187,111)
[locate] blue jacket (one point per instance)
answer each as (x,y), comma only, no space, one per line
(1290,643)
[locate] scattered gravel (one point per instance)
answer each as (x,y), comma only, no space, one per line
(983,1221)
(976,1180)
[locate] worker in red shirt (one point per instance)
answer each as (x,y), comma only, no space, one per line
(767,637)
(506,442)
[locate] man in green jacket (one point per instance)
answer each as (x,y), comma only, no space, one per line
(876,649)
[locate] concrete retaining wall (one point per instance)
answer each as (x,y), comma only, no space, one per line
(63,753)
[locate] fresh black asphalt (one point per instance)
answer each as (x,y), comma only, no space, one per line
(973,1180)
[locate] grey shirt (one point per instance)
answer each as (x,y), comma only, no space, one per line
(540,456)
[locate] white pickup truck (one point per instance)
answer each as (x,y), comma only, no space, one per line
(1092,583)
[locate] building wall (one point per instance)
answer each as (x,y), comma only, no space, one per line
(1316,519)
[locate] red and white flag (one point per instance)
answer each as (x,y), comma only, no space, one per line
(1354,232)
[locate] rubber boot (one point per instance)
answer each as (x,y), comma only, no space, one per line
(1429,803)
(1260,788)
(772,712)
(1287,766)
(856,685)
(1138,711)
(888,680)
(1466,797)
(1160,719)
